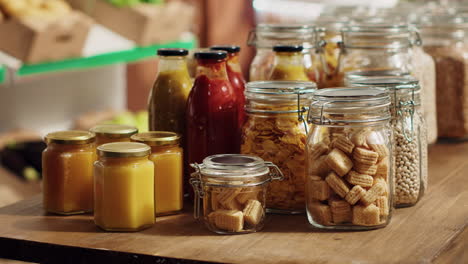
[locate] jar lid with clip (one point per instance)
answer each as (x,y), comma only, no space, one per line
(231,171)
(347,106)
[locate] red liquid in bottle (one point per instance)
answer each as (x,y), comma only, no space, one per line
(212,114)
(238,84)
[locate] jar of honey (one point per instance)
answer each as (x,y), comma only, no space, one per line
(123,187)
(67,169)
(168,169)
(108,133)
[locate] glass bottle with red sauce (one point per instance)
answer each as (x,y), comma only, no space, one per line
(235,77)
(212,110)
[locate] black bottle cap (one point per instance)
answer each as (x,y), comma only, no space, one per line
(227,48)
(288,48)
(211,55)
(172,52)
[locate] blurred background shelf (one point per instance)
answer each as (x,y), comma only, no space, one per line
(124,56)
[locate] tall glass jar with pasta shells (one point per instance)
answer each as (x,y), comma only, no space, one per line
(349,154)
(265,36)
(276,131)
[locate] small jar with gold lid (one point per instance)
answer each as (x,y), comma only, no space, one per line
(108,133)
(168,169)
(67,168)
(123,187)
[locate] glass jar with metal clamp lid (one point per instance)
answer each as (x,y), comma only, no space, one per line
(410,137)
(233,190)
(378,46)
(276,131)
(349,154)
(265,36)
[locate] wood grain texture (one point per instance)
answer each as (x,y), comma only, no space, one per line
(432,231)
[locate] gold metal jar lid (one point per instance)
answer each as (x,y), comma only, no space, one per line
(114,131)
(70,137)
(123,150)
(157,138)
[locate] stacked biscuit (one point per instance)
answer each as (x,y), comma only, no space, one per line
(348,179)
(234,209)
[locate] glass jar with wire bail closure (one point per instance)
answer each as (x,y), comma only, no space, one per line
(410,137)
(349,153)
(265,36)
(232,188)
(380,46)
(276,131)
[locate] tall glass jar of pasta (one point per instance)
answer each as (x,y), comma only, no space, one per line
(410,133)
(348,157)
(276,131)
(265,36)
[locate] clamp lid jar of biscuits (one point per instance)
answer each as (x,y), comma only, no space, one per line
(410,137)
(276,131)
(349,174)
(232,189)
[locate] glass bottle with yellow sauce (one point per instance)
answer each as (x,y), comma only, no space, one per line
(67,165)
(169,95)
(123,187)
(108,133)
(168,170)
(288,64)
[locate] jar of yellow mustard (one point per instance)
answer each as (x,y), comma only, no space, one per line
(168,169)
(108,133)
(123,187)
(67,169)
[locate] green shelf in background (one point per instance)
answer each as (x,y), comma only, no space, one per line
(2,74)
(125,56)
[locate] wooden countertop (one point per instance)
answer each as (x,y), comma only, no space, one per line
(432,231)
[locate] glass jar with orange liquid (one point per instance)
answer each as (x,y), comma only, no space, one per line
(168,170)
(67,164)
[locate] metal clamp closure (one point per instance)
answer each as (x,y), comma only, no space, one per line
(275,172)
(197,185)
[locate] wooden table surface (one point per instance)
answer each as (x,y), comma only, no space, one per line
(432,231)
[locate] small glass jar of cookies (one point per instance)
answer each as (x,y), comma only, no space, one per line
(230,192)
(349,183)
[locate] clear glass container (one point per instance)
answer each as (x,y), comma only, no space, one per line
(410,137)
(124,187)
(232,189)
(376,47)
(445,39)
(67,171)
(349,154)
(167,156)
(108,133)
(392,46)
(276,131)
(265,36)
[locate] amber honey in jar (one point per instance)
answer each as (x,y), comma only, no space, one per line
(67,168)
(123,187)
(167,156)
(108,133)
